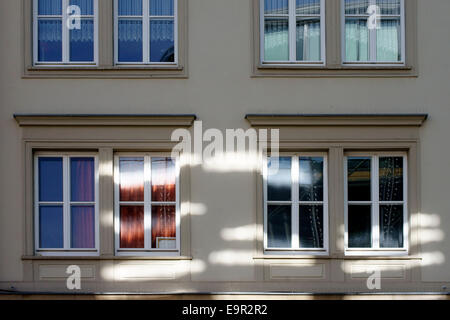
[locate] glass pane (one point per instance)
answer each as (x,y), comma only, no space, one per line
(130,40)
(50,179)
(86,6)
(161,8)
(391,179)
(130,7)
(311,226)
(359,175)
(356,6)
(279,179)
(311,179)
(132,227)
(164,225)
(50,7)
(50,40)
(276,6)
(131,179)
(163,179)
(356,40)
(389,7)
(51,227)
(82,179)
(162,47)
(276,39)
(359,226)
(82,42)
(308,39)
(82,223)
(308,6)
(389,41)
(391,226)
(279,226)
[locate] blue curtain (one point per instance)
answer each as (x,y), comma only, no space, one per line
(308,40)
(276,40)
(82,42)
(50,40)
(130,41)
(308,6)
(162,41)
(389,41)
(356,40)
(161,7)
(276,6)
(50,7)
(130,7)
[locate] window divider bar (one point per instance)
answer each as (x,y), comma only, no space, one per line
(292,31)
(147,203)
(295,172)
(66,197)
(146,31)
(376,203)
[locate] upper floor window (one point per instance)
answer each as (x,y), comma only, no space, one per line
(373,31)
(376,203)
(66,204)
(146,204)
(293,31)
(65,32)
(146,31)
(296,203)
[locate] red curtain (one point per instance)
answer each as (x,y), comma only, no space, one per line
(163,179)
(132,179)
(132,226)
(163,223)
(83,227)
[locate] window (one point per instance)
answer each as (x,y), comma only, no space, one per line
(296,203)
(146,31)
(65,32)
(147,217)
(66,204)
(292,31)
(373,31)
(376,204)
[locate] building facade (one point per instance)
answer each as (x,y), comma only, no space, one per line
(109,109)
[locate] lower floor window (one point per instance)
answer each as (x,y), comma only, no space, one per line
(376,206)
(66,202)
(296,203)
(146,203)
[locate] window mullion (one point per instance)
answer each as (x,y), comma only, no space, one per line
(295,206)
(66,199)
(147,204)
(376,204)
(146,31)
(373,38)
(65,33)
(292,27)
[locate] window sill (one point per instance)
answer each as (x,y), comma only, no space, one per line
(116,71)
(333,257)
(106,258)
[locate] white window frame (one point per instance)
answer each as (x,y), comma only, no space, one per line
(65,36)
(292,20)
(145,33)
(375,204)
(147,203)
(373,38)
(295,203)
(66,203)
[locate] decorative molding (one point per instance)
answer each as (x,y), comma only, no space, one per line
(412,120)
(180,120)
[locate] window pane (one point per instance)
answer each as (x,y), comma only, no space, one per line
(130,7)
(359,226)
(131,179)
(279,179)
(308,6)
(86,6)
(276,39)
(389,41)
(161,8)
(389,7)
(51,227)
(130,40)
(164,227)
(49,40)
(50,7)
(82,179)
(359,175)
(308,39)
(82,42)
(356,40)
(391,179)
(311,226)
(279,226)
(391,226)
(50,179)
(132,226)
(356,6)
(162,41)
(163,179)
(82,223)
(311,179)
(276,6)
